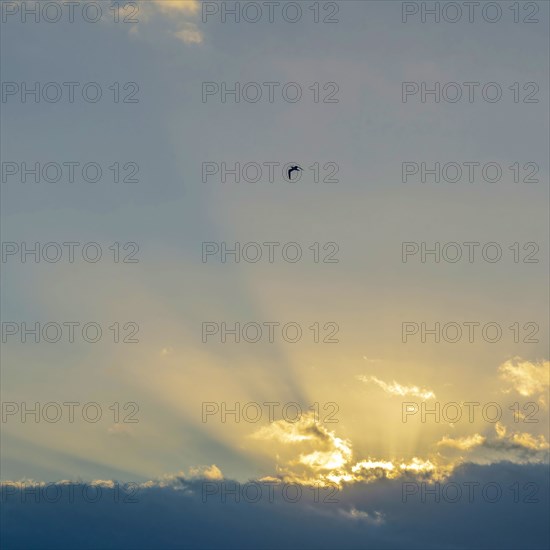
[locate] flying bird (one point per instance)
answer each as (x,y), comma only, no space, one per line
(293,169)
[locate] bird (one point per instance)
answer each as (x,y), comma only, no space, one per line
(295,168)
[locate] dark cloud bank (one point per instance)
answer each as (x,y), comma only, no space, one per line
(367,516)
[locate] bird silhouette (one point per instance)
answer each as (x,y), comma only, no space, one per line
(293,169)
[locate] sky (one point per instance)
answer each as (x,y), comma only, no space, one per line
(390,298)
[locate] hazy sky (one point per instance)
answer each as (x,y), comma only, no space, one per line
(361,130)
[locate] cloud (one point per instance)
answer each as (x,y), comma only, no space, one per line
(377,518)
(361,516)
(526,378)
(462,443)
(321,454)
(370,360)
(502,445)
(210,473)
(172,9)
(367,471)
(177,6)
(397,389)
(180,480)
(190,34)
(177,17)
(309,453)
(175,13)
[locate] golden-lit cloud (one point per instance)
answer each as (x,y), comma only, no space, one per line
(319,450)
(309,453)
(418,466)
(522,439)
(462,443)
(395,388)
(526,377)
(173,12)
(212,473)
(175,6)
(502,445)
(177,16)
(324,458)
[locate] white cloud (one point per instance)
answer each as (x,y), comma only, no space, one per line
(377,518)
(397,389)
